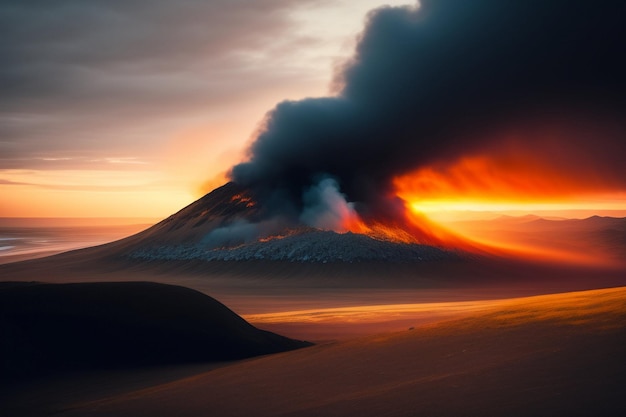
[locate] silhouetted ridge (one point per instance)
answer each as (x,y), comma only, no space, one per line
(53,327)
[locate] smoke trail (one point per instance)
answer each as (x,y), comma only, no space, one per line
(447,79)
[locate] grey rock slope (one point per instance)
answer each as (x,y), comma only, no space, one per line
(306,246)
(232,213)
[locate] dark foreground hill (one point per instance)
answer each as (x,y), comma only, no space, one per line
(46,328)
(554,355)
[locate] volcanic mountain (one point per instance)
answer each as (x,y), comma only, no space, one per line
(230,240)
(228,224)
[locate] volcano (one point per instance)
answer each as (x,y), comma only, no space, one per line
(229,224)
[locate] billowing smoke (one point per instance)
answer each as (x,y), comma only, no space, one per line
(441,80)
(326,208)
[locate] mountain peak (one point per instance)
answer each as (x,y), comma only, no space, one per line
(227,225)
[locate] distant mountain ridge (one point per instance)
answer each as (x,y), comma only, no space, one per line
(600,236)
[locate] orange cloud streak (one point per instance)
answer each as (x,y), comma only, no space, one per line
(507,181)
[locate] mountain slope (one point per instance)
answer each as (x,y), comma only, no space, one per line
(303,246)
(226,225)
(191,224)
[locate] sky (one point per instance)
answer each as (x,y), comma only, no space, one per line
(136,108)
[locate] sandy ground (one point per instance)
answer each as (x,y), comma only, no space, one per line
(548,355)
(476,347)
(343,323)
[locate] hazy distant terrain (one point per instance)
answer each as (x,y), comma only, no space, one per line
(24,238)
(593,240)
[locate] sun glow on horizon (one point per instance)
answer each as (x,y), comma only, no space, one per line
(460,195)
(452,210)
(508,181)
(484,227)
(90,194)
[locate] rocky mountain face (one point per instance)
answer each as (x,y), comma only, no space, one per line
(227,225)
(223,206)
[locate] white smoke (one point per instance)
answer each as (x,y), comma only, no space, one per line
(325,207)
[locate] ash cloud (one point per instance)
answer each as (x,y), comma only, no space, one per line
(325,207)
(441,80)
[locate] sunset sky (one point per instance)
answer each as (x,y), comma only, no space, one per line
(136,108)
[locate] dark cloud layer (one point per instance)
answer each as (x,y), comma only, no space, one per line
(441,80)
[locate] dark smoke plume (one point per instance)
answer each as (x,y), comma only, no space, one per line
(439,80)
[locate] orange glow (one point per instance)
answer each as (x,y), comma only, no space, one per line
(414,228)
(505,181)
(89,193)
(513,182)
(242,199)
(573,307)
(369,313)
(602,307)
(379,231)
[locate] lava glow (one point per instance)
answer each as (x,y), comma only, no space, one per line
(413,228)
(380,231)
(505,183)
(445,195)
(444,204)
(239,198)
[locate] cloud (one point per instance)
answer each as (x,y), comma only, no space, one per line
(451,78)
(89,75)
(9,182)
(49,50)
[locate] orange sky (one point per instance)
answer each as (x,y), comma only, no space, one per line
(151,120)
(139,121)
(512,183)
